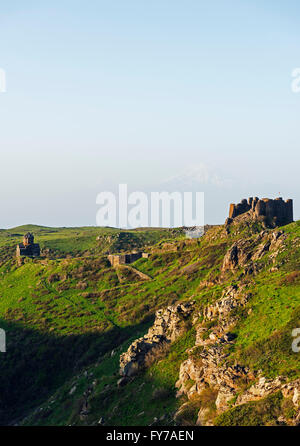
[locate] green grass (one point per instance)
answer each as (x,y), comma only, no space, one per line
(260,413)
(82,240)
(65,312)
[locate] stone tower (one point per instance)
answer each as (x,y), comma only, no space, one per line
(273,212)
(28,247)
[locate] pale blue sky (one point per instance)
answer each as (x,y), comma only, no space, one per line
(131,91)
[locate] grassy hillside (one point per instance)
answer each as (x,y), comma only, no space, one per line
(69,315)
(60,242)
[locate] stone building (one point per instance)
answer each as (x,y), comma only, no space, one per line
(28,247)
(274,212)
(122,259)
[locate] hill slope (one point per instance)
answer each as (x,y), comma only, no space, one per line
(69,316)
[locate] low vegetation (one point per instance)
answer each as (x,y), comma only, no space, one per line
(69,315)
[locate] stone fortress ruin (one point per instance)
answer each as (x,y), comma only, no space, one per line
(273,213)
(28,247)
(123,259)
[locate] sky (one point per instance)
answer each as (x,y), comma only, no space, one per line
(159,95)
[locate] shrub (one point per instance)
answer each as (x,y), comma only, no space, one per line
(254,413)
(291,279)
(161,394)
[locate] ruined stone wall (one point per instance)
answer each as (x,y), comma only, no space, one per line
(122,259)
(276,212)
(32,250)
(28,247)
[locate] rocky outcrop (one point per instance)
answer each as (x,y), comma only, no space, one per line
(169,324)
(238,255)
(292,390)
(260,389)
(244,253)
(208,373)
(231,259)
(272,212)
(209,370)
(232,297)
